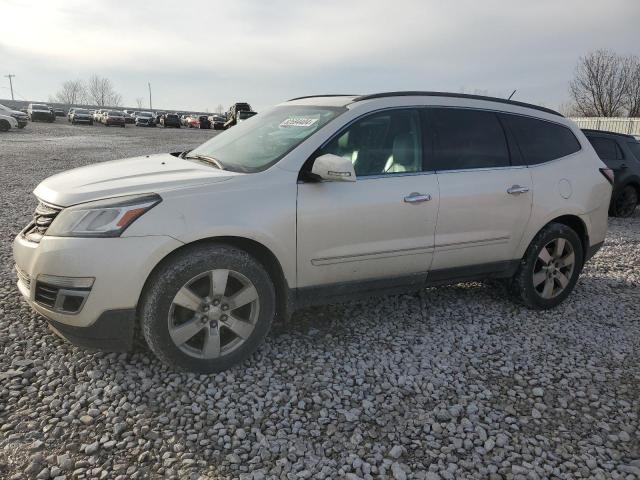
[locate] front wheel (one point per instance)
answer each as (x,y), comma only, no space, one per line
(207,308)
(549,270)
(624,202)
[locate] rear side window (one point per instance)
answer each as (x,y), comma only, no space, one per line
(635,149)
(606,148)
(541,141)
(465,139)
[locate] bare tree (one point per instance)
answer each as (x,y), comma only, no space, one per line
(140,102)
(102,93)
(219,109)
(633,91)
(601,83)
(72,92)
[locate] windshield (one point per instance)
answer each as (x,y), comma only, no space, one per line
(261,141)
(40,107)
(144,114)
(115,113)
(635,149)
(244,115)
(81,111)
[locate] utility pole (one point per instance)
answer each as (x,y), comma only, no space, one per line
(10,76)
(150,104)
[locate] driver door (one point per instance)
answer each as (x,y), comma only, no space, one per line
(380,227)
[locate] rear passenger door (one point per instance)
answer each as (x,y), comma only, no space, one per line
(485,191)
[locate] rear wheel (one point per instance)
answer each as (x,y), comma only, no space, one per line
(207,308)
(4,126)
(550,268)
(625,202)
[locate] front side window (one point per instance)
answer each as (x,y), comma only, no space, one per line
(386,142)
(259,142)
(541,141)
(465,139)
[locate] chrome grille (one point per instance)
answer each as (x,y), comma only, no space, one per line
(23,277)
(42,218)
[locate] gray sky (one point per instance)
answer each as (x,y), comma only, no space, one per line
(198,54)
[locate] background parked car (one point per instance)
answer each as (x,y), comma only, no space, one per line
(113,117)
(7,122)
(204,122)
(233,115)
(20,117)
(170,120)
(128,118)
(145,119)
(97,116)
(159,116)
(217,122)
(192,121)
(40,112)
(81,115)
(59,112)
(621,153)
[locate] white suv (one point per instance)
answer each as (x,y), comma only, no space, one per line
(318,199)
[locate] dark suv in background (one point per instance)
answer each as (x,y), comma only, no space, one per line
(621,153)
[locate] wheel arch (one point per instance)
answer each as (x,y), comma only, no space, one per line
(575,223)
(254,248)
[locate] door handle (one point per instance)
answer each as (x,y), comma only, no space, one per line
(517,190)
(416,197)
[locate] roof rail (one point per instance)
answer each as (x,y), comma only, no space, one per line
(328,95)
(608,132)
(455,95)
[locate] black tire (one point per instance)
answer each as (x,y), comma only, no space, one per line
(91,123)
(122,125)
(522,284)
(177,271)
(624,202)
(4,126)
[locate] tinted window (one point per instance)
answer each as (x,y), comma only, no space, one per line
(606,148)
(464,138)
(383,143)
(635,149)
(541,141)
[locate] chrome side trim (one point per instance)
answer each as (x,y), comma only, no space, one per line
(475,243)
(371,256)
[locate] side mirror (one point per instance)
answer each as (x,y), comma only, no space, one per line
(333,168)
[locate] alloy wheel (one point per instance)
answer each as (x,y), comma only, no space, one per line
(213,313)
(554,268)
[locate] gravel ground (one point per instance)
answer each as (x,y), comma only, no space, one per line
(454,382)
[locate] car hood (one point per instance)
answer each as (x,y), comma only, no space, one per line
(146,174)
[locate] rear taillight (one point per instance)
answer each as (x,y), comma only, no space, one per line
(608,174)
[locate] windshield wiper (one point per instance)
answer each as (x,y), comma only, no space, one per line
(204,158)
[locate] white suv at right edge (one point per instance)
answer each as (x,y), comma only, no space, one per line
(317,200)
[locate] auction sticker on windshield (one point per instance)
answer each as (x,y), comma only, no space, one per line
(298,122)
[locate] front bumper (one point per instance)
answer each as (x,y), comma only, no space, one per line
(112,331)
(22,121)
(42,116)
(119,267)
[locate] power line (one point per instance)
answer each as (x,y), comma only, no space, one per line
(10,76)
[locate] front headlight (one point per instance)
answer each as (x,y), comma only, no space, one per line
(102,218)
